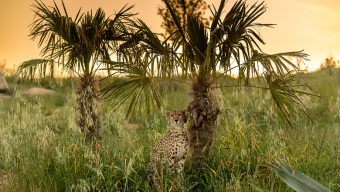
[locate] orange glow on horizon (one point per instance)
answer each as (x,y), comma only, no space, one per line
(310,25)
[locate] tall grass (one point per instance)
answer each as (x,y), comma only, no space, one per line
(41,148)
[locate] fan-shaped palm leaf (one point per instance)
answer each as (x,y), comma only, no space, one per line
(41,67)
(198,39)
(132,82)
(235,36)
(232,39)
(286,94)
(77,45)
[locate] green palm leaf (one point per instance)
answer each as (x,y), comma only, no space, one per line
(145,46)
(286,94)
(231,42)
(36,67)
(75,44)
(133,83)
(298,181)
(198,38)
(235,35)
(176,20)
(217,15)
(277,64)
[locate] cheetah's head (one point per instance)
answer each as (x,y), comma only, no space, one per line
(176,118)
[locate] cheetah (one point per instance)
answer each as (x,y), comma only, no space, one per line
(172,149)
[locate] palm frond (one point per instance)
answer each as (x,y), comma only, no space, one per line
(297,180)
(198,38)
(50,21)
(151,40)
(59,33)
(277,64)
(176,20)
(34,68)
(216,15)
(123,14)
(287,95)
(146,47)
(77,44)
(235,36)
(131,83)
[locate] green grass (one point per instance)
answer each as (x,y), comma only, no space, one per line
(41,148)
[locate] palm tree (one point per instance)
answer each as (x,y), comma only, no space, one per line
(204,54)
(76,45)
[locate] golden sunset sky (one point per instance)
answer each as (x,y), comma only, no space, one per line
(312,25)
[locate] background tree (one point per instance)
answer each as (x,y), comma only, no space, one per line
(183,8)
(2,67)
(329,63)
(76,45)
(232,41)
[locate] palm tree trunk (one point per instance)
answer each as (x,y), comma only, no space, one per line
(87,99)
(203,111)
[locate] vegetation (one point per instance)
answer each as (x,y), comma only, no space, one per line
(183,9)
(76,45)
(298,181)
(330,63)
(42,148)
(205,54)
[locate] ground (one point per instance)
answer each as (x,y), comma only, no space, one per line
(42,148)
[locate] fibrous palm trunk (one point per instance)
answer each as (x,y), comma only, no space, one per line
(203,111)
(87,99)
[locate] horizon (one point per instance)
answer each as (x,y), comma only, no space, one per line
(309,26)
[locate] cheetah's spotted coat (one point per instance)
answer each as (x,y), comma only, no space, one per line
(171,150)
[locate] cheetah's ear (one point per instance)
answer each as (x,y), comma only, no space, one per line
(184,114)
(167,113)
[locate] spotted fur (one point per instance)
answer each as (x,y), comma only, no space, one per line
(171,150)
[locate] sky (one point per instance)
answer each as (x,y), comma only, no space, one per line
(309,25)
